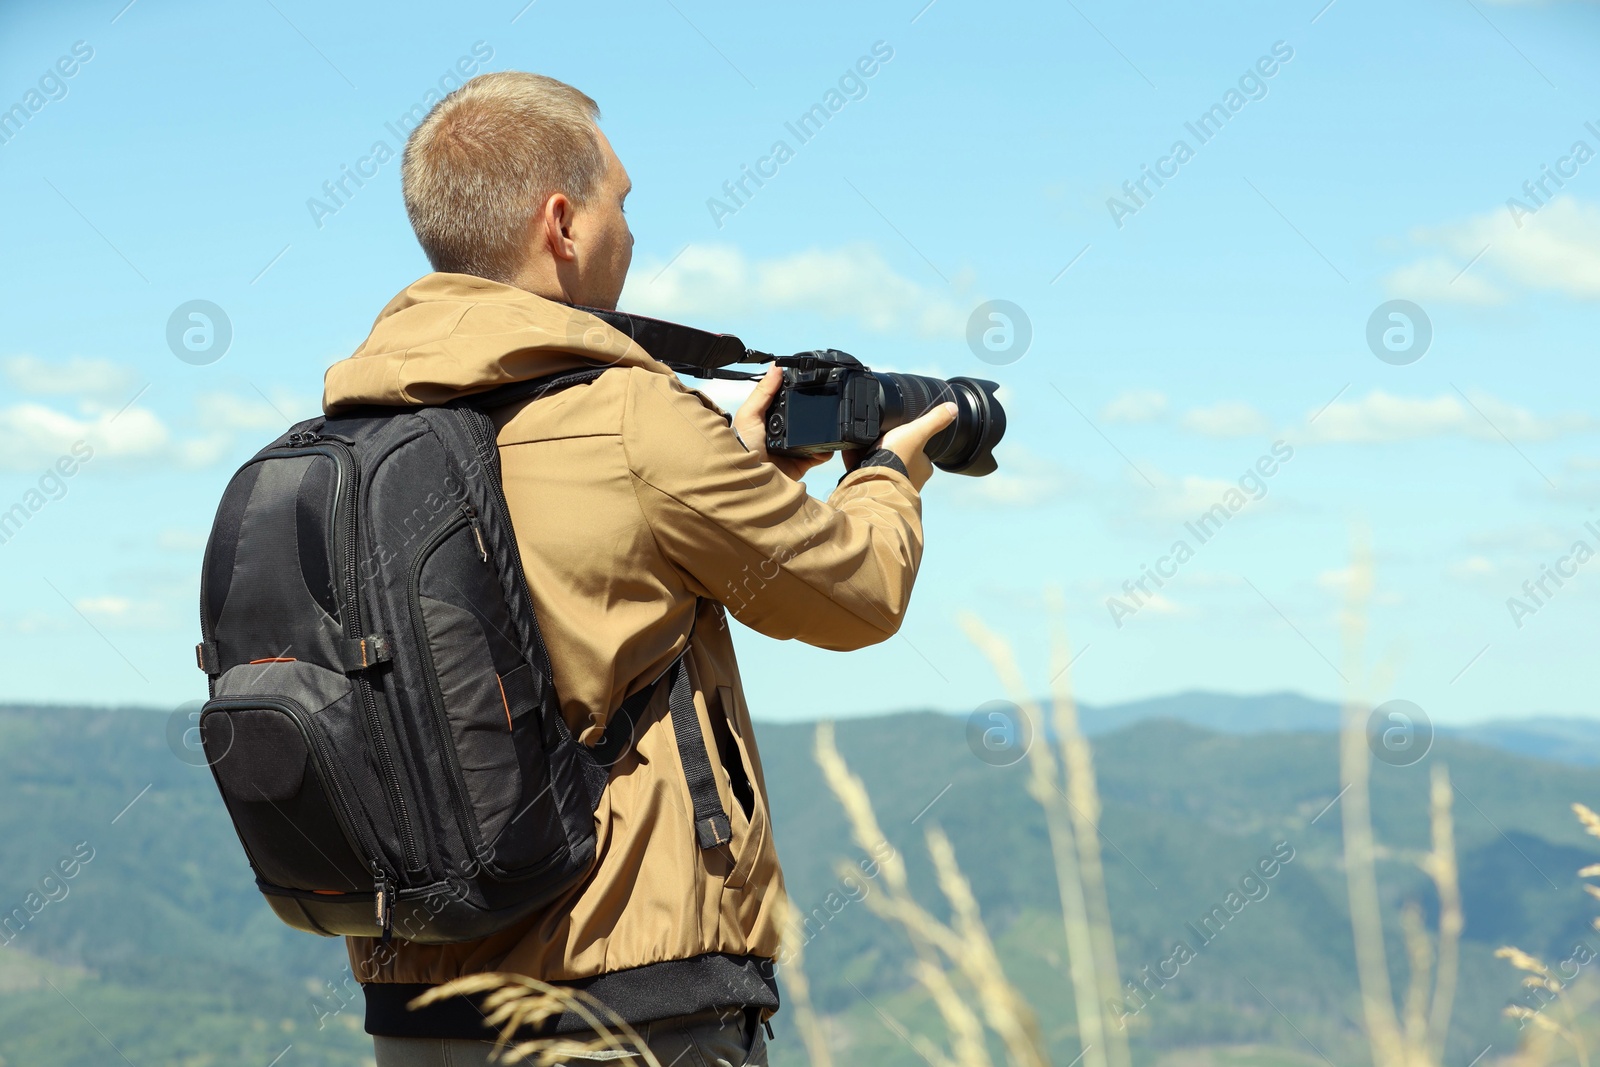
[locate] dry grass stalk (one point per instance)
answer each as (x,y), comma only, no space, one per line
(1072,811)
(1542,1044)
(799,994)
(896,904)
(1008,1014)
(1440,865)
(1590,821)
(1419,956)
(1361,881)
(1414,1037)
(1083,794)
(514,1001)
(965,946)
(1573,1003)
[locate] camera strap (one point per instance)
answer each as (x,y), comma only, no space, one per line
(683,348)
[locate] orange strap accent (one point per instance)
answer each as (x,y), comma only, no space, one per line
(329,892)
(277,659)
(504,701)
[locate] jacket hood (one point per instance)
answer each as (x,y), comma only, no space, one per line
(450,335)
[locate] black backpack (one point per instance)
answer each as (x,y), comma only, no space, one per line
(382,723)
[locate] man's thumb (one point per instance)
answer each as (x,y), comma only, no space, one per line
(940,417)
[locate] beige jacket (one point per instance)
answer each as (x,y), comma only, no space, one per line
(631,498)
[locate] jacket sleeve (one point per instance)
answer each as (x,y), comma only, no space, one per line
(835,574)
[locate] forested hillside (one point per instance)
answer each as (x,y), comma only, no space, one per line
(156,946)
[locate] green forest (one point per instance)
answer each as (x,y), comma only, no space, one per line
(135,933)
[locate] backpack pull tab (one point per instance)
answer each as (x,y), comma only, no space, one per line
(302,438)
(477,533)
(383,902)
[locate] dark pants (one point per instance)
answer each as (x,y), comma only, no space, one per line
(706,1039)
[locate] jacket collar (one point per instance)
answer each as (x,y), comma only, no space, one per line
(450,335)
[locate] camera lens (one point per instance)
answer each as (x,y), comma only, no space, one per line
(966,446)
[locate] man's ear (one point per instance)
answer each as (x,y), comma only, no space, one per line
(557,218)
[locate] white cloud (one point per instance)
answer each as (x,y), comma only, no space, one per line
(113,611)
(726,394)
(33,436)
(848,283)
(1191,496)
(1337,580)
(36,622)
(1471,568)
(1382,418)
(114,608)
(73,377)
(1229,419)
(1158,604)
(1437,279)
(1139,405)
(1556,249)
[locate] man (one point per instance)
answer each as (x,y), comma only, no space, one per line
(643,515)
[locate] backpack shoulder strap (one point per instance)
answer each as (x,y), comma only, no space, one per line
(711,825)
(531,389)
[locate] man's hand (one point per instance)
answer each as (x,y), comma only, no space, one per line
(908,441)
(750,421)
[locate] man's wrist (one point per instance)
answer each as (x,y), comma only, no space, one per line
(880,457)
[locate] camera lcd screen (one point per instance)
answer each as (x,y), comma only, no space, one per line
(813,418)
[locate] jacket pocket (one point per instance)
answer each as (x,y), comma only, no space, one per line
(749,811)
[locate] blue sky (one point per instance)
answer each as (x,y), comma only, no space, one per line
(1177,339)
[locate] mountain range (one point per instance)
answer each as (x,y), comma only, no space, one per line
(157,949)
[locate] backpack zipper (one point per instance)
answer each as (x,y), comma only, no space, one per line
(383,905)
(477,532)
(430,673)
(490,454)
(353,628)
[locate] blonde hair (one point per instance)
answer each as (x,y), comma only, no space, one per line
(486,158)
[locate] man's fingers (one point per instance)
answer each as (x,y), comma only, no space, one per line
(755,405)
(767,386)
(931,422)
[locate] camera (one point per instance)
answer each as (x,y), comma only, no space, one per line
(829,401)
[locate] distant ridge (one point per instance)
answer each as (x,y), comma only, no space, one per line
(1225,713)
(1565,739)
